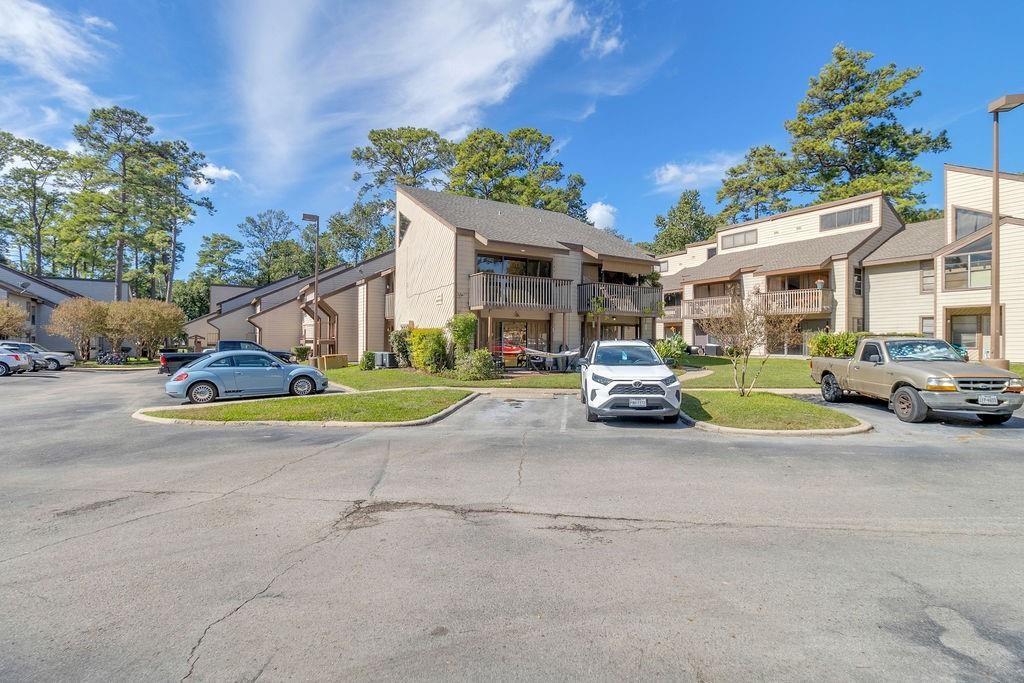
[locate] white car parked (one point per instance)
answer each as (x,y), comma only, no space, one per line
(13,363)
(628,379)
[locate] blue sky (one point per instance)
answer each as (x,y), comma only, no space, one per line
(644,98)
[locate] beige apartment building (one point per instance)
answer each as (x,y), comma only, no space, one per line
(852,265)
(535,279)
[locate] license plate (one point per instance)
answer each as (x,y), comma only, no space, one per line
(988,400)
(638,403)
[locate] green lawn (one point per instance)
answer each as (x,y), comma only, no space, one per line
(1018,368)
(761,411)
(779,373)
(394,378)
(391,406)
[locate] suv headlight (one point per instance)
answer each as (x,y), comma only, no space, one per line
(601,380)
(940,384)
(1015,386)
(669,381)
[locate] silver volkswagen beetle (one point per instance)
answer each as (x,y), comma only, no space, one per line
(227,374)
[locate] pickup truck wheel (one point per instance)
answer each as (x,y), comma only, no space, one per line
(830,389)
(990,419)
(908,405)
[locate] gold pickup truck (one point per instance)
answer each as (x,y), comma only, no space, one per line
(917,376)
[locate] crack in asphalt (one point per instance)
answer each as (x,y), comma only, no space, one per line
(519,470)
(383,469)
(180,507)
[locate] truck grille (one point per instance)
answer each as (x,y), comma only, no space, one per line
(982,384)
(642,390)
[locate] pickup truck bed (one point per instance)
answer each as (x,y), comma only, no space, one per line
(171,361)
(916,376)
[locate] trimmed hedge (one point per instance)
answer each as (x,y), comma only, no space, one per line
(844,344)
(366,362)
(673,346)
(429,349)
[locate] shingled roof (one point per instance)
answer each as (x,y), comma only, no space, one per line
(515,224)
(812,253)
(915,242)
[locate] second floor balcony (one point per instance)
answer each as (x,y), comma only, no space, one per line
(493,290)
(610,298)
(788,302)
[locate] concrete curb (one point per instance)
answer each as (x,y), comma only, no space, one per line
(521,391)
(142,417)
(861,428)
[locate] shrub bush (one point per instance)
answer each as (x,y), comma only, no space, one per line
(463,330)
(476,365)
(400,346)
(301,353)
(366,361)
(674,347)
(844,344)
(429,349)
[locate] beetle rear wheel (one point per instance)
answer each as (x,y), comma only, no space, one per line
(202,392)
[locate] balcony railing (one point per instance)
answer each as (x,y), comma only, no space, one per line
(389,306)
(491,290)
(624,299)
(798,301)
(788,302)
(710,307)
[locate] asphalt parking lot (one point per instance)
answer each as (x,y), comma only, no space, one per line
(510,540)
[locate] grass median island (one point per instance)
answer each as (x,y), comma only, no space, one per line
(760,411)
(778,373)
(396,378)
(390,406)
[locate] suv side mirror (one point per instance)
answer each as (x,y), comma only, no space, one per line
(584,362)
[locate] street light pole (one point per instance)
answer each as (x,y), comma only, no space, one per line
(1003,104)
(315,219)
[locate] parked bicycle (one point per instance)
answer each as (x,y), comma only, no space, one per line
(110,358)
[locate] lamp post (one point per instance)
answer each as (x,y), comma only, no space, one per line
(996,107)
(315,219)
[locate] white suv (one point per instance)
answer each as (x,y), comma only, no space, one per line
(628,379)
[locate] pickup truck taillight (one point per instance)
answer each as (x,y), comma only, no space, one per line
(163,360)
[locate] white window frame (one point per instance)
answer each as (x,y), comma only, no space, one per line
(739,239)
(856,215)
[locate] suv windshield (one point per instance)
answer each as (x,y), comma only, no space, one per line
(626,355)
(925,349)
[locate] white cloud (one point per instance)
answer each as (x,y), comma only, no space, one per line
(604,40)
(46,46)
(215,173)
(602,215)
(99,22)
(694,174)
(310,78)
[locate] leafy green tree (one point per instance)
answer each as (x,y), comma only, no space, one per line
(406,156)
(179,173)
(687,221)
(262,234)
(284,258)
(119,142)
(32,195)
(758,185)
(518,168)
(192,296)
(847,139)
(220,259)
(362,232)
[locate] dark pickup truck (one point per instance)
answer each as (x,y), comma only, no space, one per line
(172,360)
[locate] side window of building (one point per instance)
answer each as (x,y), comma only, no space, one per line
(967,221)
(927,277)
(846,218)
(713,251)
(858,282)
(739,239)
(928,326)
(403,226)
(969,267)
(858,324)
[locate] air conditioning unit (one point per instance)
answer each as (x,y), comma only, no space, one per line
(384,359)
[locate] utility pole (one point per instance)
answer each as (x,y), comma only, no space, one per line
(315,219)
